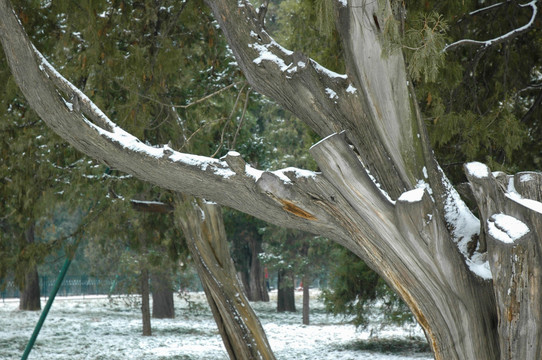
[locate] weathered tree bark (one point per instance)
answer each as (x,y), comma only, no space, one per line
(30,293)
(306,299)
(286,291)
(511,210)
(145,306)
(162,296)
(380,192)
(241,331)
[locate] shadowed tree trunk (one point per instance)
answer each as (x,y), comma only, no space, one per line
(306,300)
(257,287)
(145,307)
(286,291)
(30,293)
(203,228)
(380,192)
(162,296)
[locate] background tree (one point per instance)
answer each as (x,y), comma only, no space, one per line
(358,292)
(298,258)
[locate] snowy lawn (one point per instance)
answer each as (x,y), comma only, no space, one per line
(95,328)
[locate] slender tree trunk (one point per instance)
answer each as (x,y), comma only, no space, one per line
(285,295)
(258,288)
(241,331)
(162,296)
(30,293)
(145,308)
(306,299)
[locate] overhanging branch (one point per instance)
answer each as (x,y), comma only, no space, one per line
(91,132)
(499,40)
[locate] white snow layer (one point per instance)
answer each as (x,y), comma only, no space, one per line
(477,169)
(130,142)
(412,196)
(94,327)
(464,226)
(266,54)
(350,89)
(506,228)
(332,94)
(512,194)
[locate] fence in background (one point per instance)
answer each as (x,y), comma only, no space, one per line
(72,286)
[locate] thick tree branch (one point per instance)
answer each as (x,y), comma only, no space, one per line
(91,132)
(287,77)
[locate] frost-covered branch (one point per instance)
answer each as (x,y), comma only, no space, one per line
(509,35)
(273,196)
(288,77)
(486,8)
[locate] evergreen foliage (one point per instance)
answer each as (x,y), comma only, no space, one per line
(357,292)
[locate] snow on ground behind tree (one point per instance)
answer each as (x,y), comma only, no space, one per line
(93,328)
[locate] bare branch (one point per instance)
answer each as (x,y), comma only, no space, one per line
(195,102)
(152,206)
(498,40)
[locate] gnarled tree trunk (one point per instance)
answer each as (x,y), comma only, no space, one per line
(241,331)
(380,192)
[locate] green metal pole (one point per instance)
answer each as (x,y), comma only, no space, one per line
(46,309)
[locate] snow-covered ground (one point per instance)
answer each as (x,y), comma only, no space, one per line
(95,328)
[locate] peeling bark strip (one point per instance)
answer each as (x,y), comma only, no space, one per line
(296,210)
(380,194)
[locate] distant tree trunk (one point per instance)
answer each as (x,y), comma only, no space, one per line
(241,331)
(257,286)
(162,296)
(285,296)
(306,299)
(145,308)
(30,292)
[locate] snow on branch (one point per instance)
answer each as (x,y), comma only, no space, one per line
(506,229)
(108,129)
(486,8)
(501,38)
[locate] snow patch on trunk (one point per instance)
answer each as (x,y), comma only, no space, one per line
(513,195)
(506,229)
(464,224)
(477,170)
(412,196)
